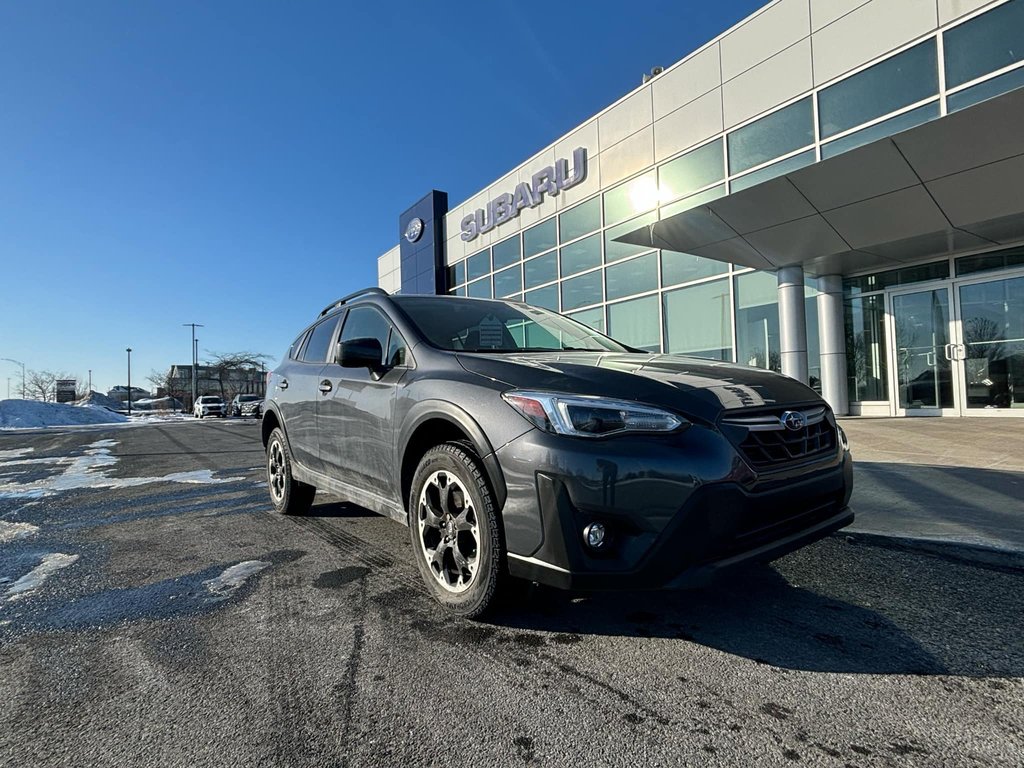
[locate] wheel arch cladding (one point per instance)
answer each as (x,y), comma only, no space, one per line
(270,421)
(448,426)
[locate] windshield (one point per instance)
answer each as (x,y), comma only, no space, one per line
(473,325)
(209,399)
(248,398)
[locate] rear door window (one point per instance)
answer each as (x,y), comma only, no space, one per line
(319,341)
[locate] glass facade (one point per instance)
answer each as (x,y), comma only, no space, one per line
(683,303)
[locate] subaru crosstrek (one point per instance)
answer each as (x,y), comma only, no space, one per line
(516,442)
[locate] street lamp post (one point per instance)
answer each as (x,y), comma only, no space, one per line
(90,381)
(195,361)
(18,362)
(129,351)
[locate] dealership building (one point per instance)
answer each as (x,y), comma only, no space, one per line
(833,189)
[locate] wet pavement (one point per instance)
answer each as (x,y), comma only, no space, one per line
(155,611)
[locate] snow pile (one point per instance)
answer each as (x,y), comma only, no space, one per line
(103,401)
(21,414)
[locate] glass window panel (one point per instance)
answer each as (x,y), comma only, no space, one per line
(581,255)
(457,273)
(935,270)
(698,320)
(319,341)
(679,267)
(692,201)
(896,82)
(505,253)
(614,251)
(984,262)
(757,321)
(632,277)
(776,134)
(772,171)
(508,281)
(879,130)
(580,220)
(866,357)
(993,326)
(984,44)
(635,196)
(546,297)
(540,270)
(591,317)
(478,265)
(581,291)
(989,89)
(693,171)
(636,323)
(811,324)
(481,289)
(540,238)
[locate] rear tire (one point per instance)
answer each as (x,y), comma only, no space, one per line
(288,495)
(456,535)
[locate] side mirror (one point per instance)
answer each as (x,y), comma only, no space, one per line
(360,353)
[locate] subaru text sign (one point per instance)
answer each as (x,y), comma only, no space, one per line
(547,181)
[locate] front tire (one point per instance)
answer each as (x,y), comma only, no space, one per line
(288,495)
(456,535)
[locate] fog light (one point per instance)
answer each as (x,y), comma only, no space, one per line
(595,535)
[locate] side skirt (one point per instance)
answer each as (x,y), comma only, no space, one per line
(351,493)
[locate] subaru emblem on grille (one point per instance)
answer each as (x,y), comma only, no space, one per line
(793,420)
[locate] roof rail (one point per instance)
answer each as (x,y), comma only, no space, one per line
(341,302)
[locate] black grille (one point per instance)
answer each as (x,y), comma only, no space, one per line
(770,448)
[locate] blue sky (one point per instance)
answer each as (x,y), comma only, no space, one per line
(241,164)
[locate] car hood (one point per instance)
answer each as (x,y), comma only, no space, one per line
(696,387)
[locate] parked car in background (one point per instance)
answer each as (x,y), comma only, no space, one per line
(208,405)
(516,442)
(246,405)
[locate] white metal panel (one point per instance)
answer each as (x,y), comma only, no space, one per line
(764,35)
(954,9)
(689,125)
(785,75)
(869,31)
(628,156)
(824,12)
(686,82)
(626,118)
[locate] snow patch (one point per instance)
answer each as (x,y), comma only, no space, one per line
(12,531)
(91,470)
(34,579)
(225,585)
(23,414)
(15,453)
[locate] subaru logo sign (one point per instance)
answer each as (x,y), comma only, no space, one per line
(414,230)
(793,420)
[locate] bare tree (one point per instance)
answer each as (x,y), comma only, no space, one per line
(173,387)
(238,372)
(39,385)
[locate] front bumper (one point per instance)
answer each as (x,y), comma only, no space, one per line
(678,508)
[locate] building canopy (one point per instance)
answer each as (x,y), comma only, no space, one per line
(952,185)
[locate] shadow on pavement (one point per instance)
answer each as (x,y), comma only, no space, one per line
(844,605)
(338,509)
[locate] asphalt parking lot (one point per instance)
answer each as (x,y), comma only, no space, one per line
(171,618)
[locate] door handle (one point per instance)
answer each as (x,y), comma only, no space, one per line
(325,386)
(283,384)
(948,349)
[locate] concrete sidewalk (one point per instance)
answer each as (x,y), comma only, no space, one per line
(953,480)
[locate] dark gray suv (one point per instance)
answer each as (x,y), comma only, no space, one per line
(515,442)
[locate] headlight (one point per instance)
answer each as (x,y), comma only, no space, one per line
(586,416)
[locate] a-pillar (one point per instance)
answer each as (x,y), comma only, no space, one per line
(792,323)
(832,343)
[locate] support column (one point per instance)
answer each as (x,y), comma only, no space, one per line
(832,342)
(792,323)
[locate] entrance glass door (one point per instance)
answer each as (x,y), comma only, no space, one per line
(991,349)
(924,355)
